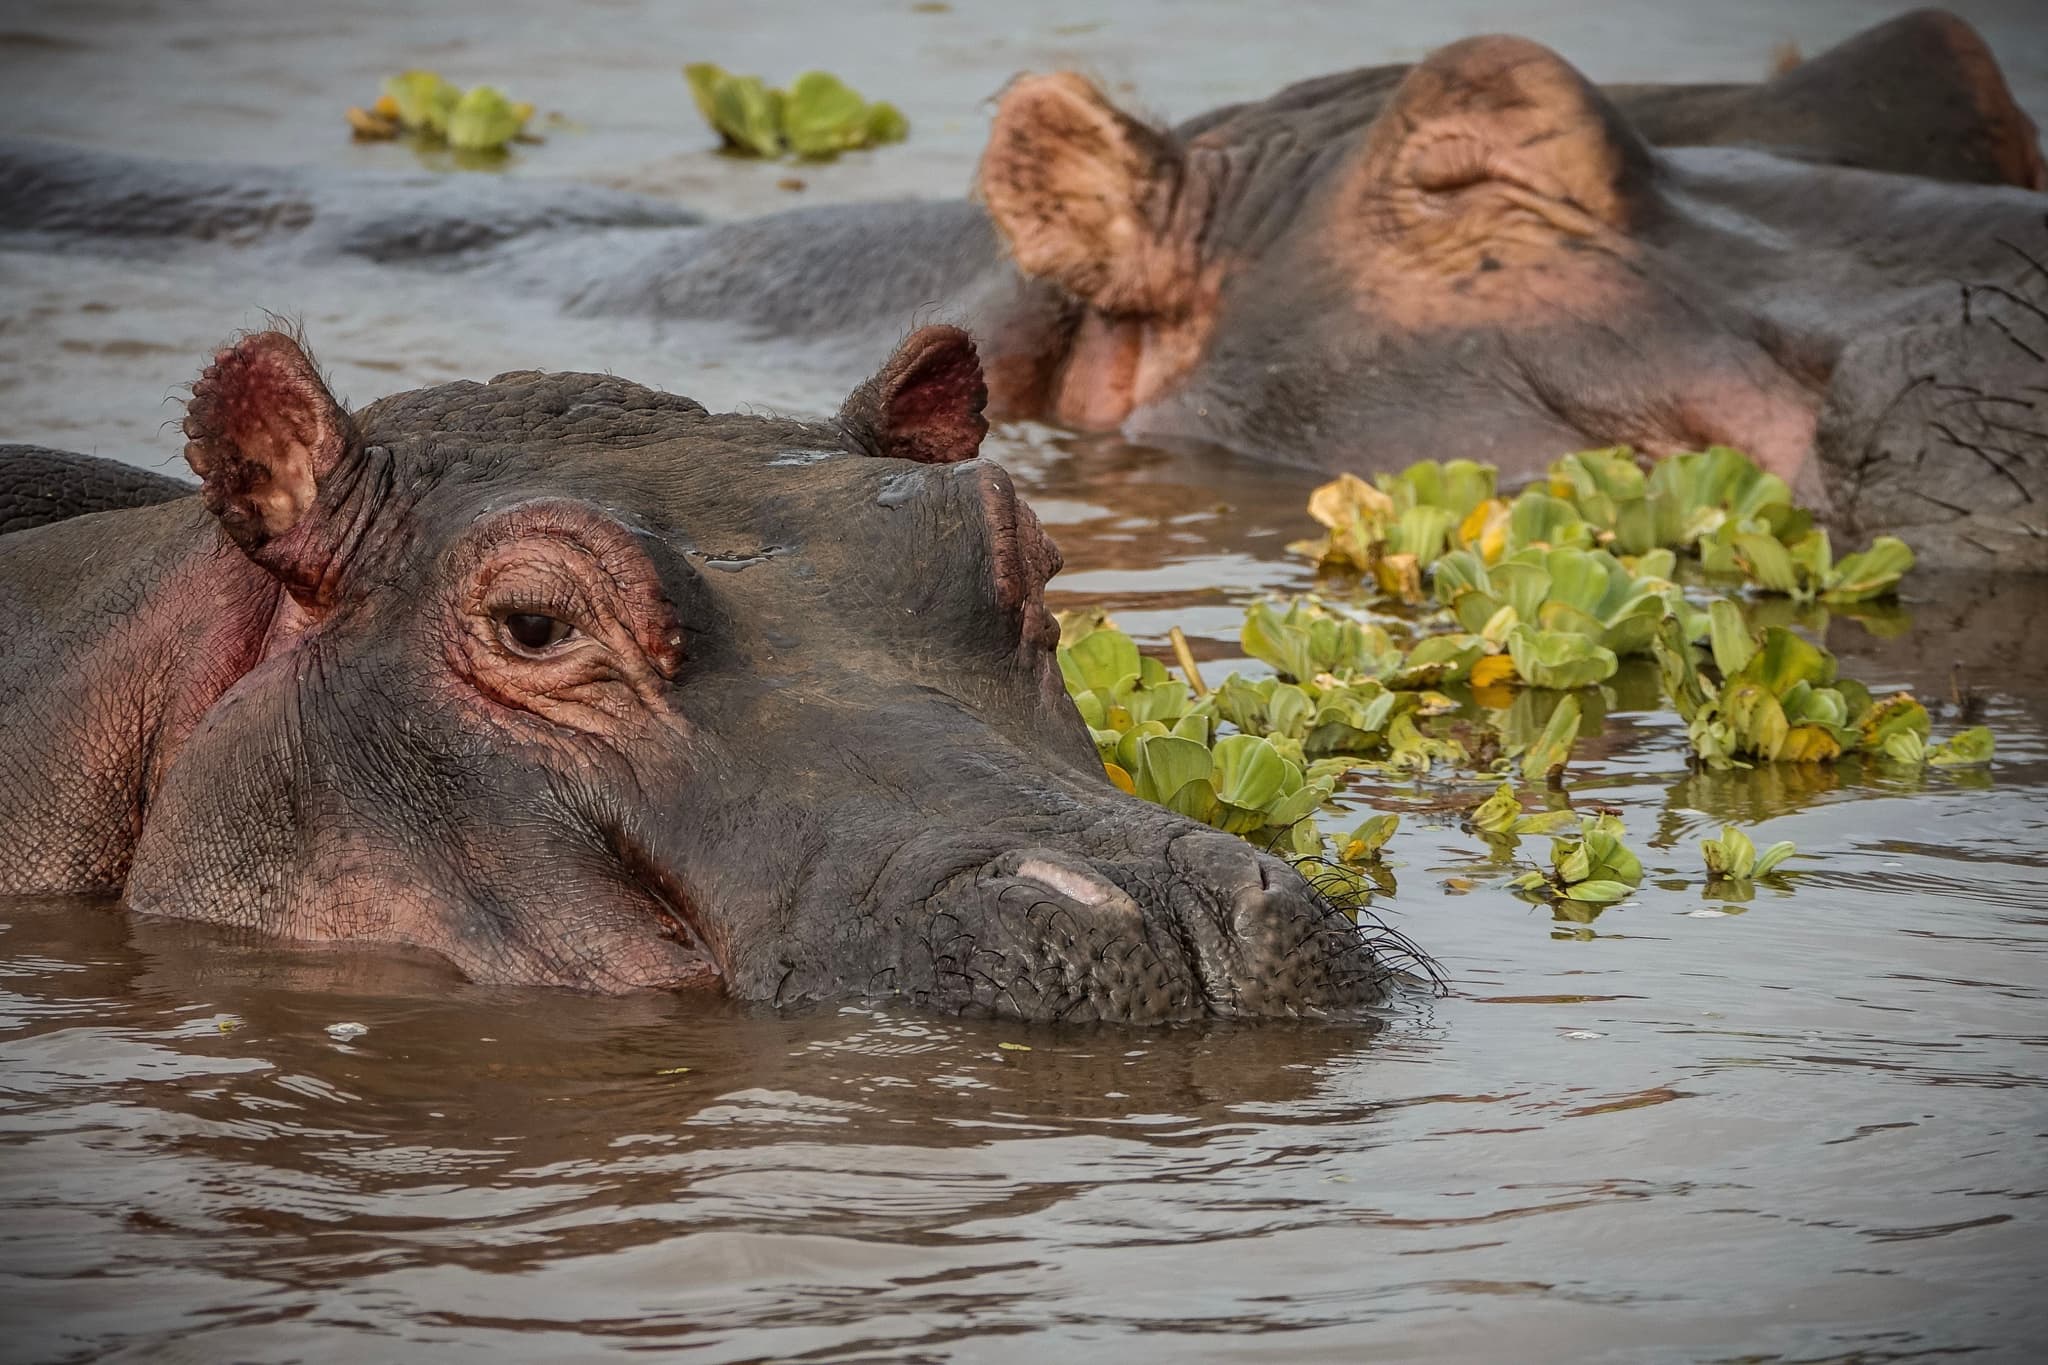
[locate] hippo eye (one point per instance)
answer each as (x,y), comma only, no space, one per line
(530,632)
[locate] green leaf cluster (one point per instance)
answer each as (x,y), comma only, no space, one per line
(479,119)
(1502,816)
(1241,784)
(1115,688)
(1970,749)
(1307,641)
(1565,614)
(1779,698)
(1737,518)
(817,117)
(1364,719)
(1680,501)
(1806,569)
(1594,867)
(1733,857)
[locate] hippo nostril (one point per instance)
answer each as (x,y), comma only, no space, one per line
(1263,940)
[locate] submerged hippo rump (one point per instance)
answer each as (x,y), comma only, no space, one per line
(1842,270)
(576,683)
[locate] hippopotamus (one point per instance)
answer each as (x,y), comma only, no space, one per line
(1838,269)
(575,683)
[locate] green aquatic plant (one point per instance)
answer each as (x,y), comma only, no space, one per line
(1779,698)
(1594,867)
(1806,569)
(1241,784)
(1717,504)
(1565,615)
(817,117)
(1307,641)
(1550,750)
(1970,749)
(1368,841)
(484,120)
(1549,590)
(1502,816)
(1734,857)
(1677,502)
(479,120)
(1115,687)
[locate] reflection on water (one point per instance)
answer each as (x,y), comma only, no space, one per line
(1807,1125)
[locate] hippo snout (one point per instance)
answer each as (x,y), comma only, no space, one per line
(1203,927)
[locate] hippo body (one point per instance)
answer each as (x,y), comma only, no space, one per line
(1842,270)
(39,485)
(575,683)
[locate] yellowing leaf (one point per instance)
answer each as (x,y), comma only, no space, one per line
(1493,669)
(1809,744)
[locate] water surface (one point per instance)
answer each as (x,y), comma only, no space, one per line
(1805,1127)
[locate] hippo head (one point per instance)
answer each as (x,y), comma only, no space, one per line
(1483,255)
(575,682)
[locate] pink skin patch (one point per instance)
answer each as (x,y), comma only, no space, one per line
(1082,888)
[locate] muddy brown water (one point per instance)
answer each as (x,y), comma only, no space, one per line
(1810,1126)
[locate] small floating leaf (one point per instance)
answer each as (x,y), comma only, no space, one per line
(423,100)
(483,120)
(1971,748)
(1770,858)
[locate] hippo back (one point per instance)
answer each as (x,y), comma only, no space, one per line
(39,485)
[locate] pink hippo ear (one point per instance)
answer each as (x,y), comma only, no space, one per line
(1495,141)
(926,403)
(262,433)
(1088,197)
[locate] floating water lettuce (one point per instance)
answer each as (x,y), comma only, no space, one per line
(1564,614)
(1680,500)
(1806,569)
(1365,843)
(481,119)
(1779,699)
(484,120)
(1115,688)
(1502,815)
(1694,502)
(1550,590)
(1242,785)
(424,101)
(1594,868)
(1363,719)
(1308,640)
(1552,749)
(1970,749)
(1734,857)
(817,117)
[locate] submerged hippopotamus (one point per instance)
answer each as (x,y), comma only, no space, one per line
(1839,269)
(574,682)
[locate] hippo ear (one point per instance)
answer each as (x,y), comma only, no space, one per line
(1507,115)
(1082,193)
(925,404)
(262,432)
(1918,95)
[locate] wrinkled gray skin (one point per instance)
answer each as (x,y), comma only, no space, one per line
(1843,270)
(804,737)
(39,485)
